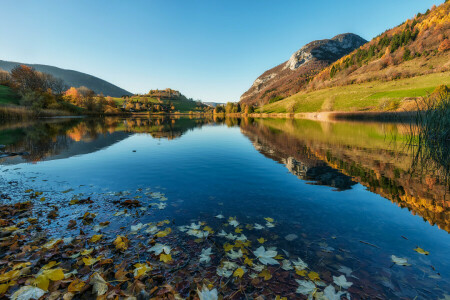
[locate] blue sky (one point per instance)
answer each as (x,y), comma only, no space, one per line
(209,50)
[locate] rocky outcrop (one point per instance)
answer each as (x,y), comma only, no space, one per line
(289,77)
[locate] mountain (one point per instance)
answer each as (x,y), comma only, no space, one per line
(388,73)
(73,78)
(289,77)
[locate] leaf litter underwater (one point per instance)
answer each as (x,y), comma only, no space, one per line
(122,245)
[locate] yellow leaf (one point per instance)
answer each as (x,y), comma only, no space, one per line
(13,274)
(164,232)
(21,265)
(42,199)
(261,240)
(301,272)
(265,274)
(50,265)
(280,298)
(238,230)
(270,220)
(4,287)
(43,279)
(10,228)
(228,247)
(279,256)
(89,261)
(54,274)
(313,276)
(421,251)
(121,243)
(248,261)
(95,238)
(239,272)
(74,201)
(141,269)
(249,226)
(87,251)
(165,257)
(209,229)
(76,285)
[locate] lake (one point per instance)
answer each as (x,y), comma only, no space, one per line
(251,207)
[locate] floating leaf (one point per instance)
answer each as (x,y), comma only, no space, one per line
(261,240)
(399,260)
(421,251)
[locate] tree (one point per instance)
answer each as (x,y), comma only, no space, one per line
(26,78)
(73,96)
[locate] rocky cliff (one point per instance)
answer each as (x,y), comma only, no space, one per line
(289,77)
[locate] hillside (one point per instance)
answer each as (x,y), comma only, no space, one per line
(289,77)
(403,63)
(73,78)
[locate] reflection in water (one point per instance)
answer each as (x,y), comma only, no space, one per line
(364,153)
(215,171)
(331,154)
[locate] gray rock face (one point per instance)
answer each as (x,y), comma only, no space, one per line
(328,50)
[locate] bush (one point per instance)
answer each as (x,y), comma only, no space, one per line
(275,99)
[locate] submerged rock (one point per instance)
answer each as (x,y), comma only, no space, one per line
(291,237)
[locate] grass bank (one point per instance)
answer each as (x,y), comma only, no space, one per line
(371,96)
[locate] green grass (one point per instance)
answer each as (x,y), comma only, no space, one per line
(421,92)
(359,97)
(7,96)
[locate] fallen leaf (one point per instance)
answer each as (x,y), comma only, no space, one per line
(239,272)
(421,251)
(76,285)
(165,258)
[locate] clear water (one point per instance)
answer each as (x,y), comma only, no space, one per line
(338,193)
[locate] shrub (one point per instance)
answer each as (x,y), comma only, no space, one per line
(444,46)
(275,99)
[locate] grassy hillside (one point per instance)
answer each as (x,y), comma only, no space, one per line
(7,96)
(376,95)
(73,78)
(404,62)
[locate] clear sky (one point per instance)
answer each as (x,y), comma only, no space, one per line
(209,50)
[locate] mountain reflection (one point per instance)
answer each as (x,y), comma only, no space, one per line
(338,155)
(373,155)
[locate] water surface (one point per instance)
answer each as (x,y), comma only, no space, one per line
(338,196)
